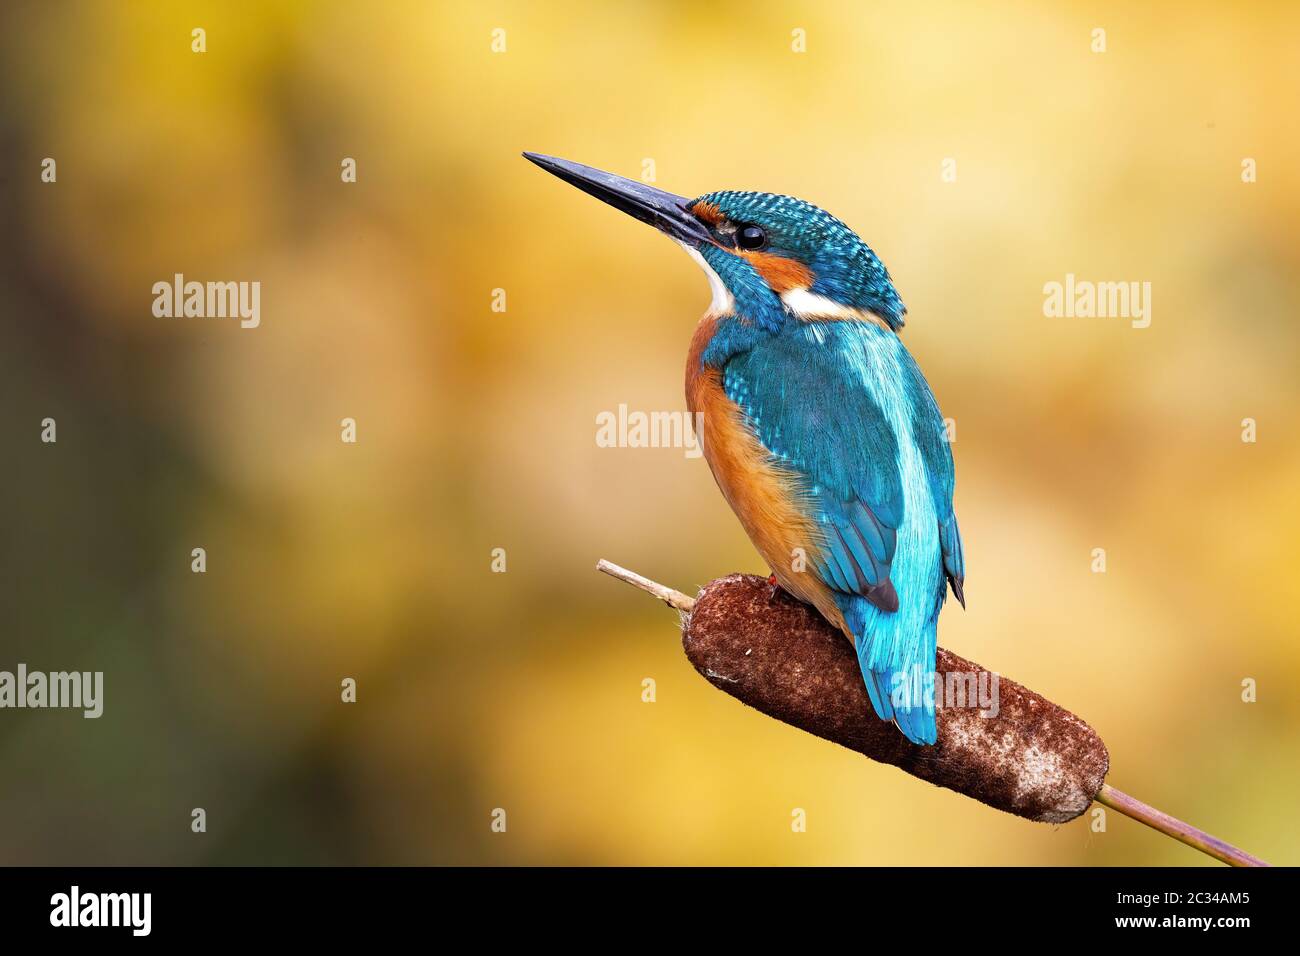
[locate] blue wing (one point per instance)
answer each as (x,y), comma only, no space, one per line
(810,411)
(803,393)
(929,431)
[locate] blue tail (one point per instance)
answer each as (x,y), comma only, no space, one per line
(895,668)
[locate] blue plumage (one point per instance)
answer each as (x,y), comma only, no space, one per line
(820,425)
(843,406)
(838,402)
(844,267)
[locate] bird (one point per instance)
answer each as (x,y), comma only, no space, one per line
(817,424)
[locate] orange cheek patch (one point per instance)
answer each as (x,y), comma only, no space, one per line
(780,273)
(707,213)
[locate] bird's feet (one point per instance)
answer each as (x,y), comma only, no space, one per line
(776,588)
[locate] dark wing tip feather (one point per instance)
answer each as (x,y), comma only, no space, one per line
(884,596)
(956,583)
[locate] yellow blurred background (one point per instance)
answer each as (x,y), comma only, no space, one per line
(476,429)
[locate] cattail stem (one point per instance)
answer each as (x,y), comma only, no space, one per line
(670,597)
(1171,826)
(1106,795)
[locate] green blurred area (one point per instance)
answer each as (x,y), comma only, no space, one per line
(477,428)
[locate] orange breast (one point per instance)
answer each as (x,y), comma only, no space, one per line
(760,492)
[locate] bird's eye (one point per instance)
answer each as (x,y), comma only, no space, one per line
(751,237)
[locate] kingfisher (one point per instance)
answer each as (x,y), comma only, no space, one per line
(820,430)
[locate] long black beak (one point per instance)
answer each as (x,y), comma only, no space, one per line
(662,210)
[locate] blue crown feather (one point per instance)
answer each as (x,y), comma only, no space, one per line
(845,269)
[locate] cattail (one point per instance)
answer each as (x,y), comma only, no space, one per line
(998,742)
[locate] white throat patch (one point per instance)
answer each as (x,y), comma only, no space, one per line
(723,301)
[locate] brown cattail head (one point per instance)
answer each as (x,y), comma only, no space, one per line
(1007,747)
